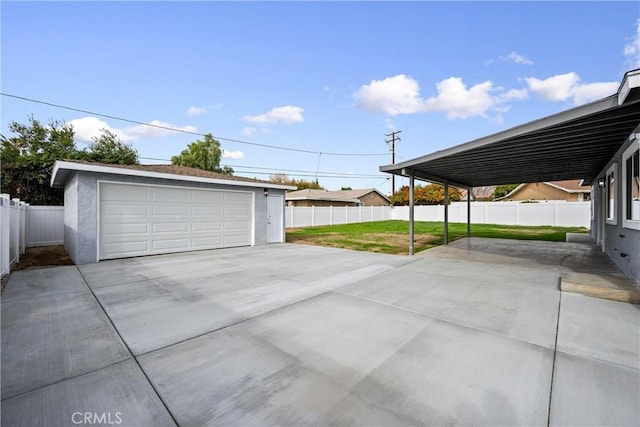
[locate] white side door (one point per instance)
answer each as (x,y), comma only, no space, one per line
(275,219)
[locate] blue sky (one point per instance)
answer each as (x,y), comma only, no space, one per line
(326,77)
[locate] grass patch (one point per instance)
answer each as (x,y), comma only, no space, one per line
(391,236)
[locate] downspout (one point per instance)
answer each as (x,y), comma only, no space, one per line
(446,213)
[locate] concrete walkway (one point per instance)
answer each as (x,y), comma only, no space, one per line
(475,333)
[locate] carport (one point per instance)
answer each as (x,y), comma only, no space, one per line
(575,144)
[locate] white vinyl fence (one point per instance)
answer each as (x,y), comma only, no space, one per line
(46,226)
(22,225)
(13,226)
(556,213)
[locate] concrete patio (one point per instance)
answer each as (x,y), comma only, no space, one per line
(474,333)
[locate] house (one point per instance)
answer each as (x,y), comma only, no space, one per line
(364,197)
(569,190)
(479,194)
(597,142)
(119,211)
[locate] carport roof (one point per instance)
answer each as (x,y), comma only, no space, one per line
(64,168)
(574,144)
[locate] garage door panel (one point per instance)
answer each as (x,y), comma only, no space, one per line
(136,210)
(137,220)
(207,197)
(239,239)
(170,210)
(164,227)
(207,211)
(207,242)
(118,229)
(177,195)
(162,245)
(206,226)
(235,226)
(139,247)
(135,193)
(235,198)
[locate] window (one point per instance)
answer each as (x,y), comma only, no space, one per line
(631,186)
(611,194)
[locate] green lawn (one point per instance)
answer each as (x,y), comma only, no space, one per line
(392,236)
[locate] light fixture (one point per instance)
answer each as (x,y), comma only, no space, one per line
(601,182)
(266,192)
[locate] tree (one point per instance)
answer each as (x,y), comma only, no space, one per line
(203,155)
(28,158)
(503,190)
(300,184)
(29,155)
(432,194)
(108,148)
(345,188)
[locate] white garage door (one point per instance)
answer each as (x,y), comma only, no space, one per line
(143,219)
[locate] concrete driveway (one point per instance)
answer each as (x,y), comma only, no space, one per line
(475,333)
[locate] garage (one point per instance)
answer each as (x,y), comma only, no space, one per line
(145,219)
(120,211)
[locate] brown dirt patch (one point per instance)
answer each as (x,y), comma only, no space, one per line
(43,256)
(372,242)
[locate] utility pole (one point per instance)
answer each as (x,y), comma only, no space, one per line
(392,146)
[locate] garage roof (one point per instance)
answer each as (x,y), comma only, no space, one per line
(573,144)
(64,168)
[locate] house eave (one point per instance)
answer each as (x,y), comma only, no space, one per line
(63,169)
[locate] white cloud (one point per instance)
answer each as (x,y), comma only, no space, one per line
(394,95)
(556,88)
(567,86)
(516,58)
(195,111)
(632,49)
(593,91)
(248,131)
(401,95)
(87,128)
(232,154)
(287,114)
(459,102)
(513,94)
(511,57)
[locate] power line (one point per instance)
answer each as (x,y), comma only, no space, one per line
(275,147)
(313,175)
(295,172)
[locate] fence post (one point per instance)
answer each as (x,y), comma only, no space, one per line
(359,213)
(313,216)
(16,226)
(5,220)
(24,207)
(346,214)
(555,214)
(293,222)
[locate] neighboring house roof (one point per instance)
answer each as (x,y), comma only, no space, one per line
(571,186)
(352,196)
(63,168)
(484,192)
(568,186)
